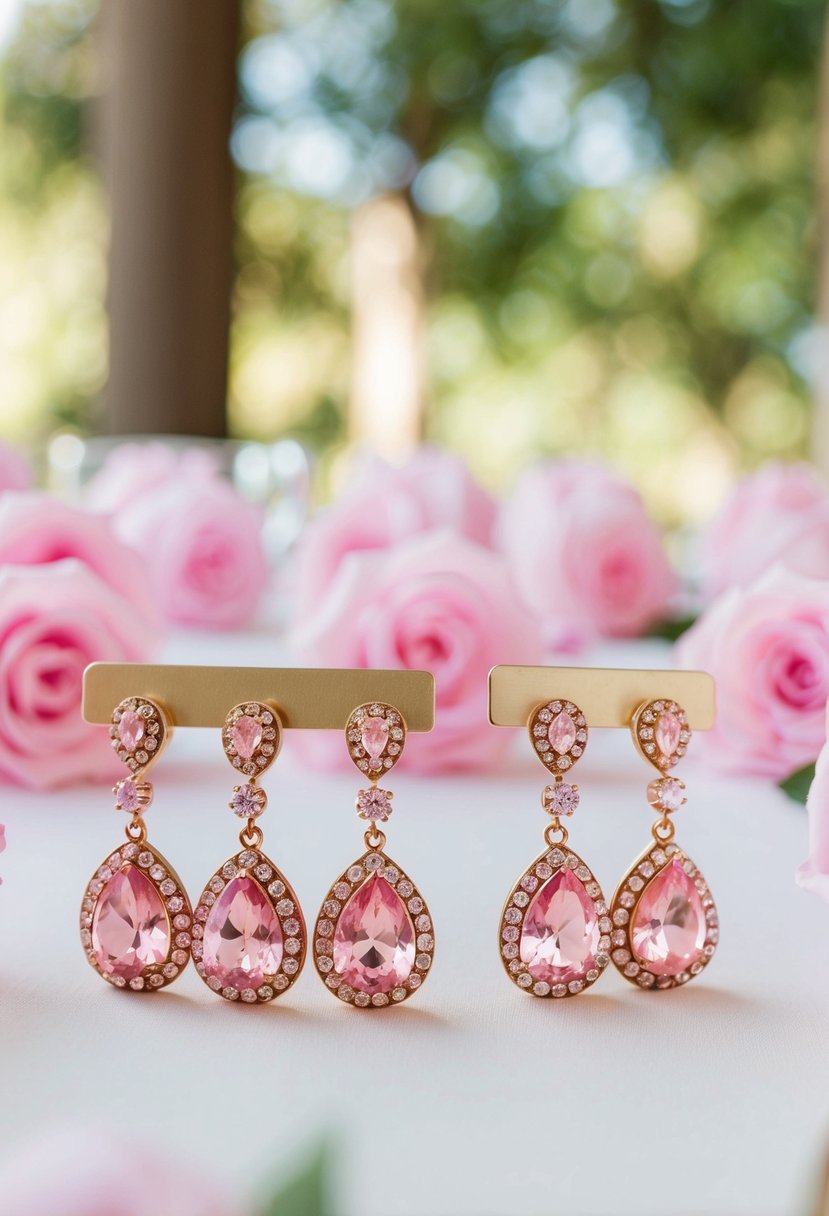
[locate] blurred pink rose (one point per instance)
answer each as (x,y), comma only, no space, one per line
(767,645)
(778,514)
(36,529)
(54,620)
(201,547)
(813,874)
(435,602)
(2,840)
(584,553)
(382,505)
(15,470)
(93,1172)
(133,469)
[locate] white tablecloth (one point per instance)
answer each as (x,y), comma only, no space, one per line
(473,1099)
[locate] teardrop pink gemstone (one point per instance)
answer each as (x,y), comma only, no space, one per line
(668,926)
(242,937)
(130,927)
(246,734)
(560,935)
(667,731)
(374,939)
(131,729)
(562,732)
(374,736)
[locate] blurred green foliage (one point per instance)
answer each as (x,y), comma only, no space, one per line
(614,201)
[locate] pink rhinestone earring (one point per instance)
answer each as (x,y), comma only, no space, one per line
(554,932)
(249,933)
(135,914)
(665,927)
(374,940)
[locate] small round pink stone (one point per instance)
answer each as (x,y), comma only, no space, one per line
(374,946)
(242,936)
(131,729)
(126,794)
(246,734)
(374,736)
(668,927)
(130,928)
(560,935)
(562,733)
(668,727)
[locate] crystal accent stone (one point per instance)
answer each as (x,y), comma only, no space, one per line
(562,733)
(374,804)
(668,792)
(562,798)
(131,729)
(126,796)
(374,939)
(667,732)
(246,734)
(668,928)
(246,802)
(242,937)
(130,927)
(560,934)
(374,736)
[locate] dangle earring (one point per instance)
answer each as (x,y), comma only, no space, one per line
(373,941)
(665,927)
(249,932)
(135,914)
(554,931)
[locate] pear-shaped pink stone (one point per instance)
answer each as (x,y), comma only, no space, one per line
(562,733)
(560,935)
(130,927)
(242,943)
(374,940)
(668,926)
(668,727)
(131,729)
(246,734)
(374,736)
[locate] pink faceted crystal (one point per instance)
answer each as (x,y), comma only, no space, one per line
(668,927)
(374,736)
(374,940)
(561,931)
(130,928)
(246,734)
(562,733)
(242,937)
(131,729)
(668,727)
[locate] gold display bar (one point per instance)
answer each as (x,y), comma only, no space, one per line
(308,698)
(606,695)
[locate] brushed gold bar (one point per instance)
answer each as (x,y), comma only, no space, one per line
(308,698)
(607,695)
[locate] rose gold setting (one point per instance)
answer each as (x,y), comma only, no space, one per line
(623,911)
(268,748)
(558,733)
(253,863)
(373,861)
(375,806)
(541,870)
(173,896)
(139,749)
(666,795)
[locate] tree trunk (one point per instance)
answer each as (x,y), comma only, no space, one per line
(168,110)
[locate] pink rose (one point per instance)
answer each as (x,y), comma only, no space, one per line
(133,469)
(778,514)
(813,874)
(54,620)
(584,553)
(767,645)
(435,602)
(201,547)
(382,505)
(36,529)
(93,1172)
(15,470)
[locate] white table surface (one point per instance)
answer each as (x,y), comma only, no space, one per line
(473,1099)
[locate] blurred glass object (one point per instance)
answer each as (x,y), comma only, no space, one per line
(277,475)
